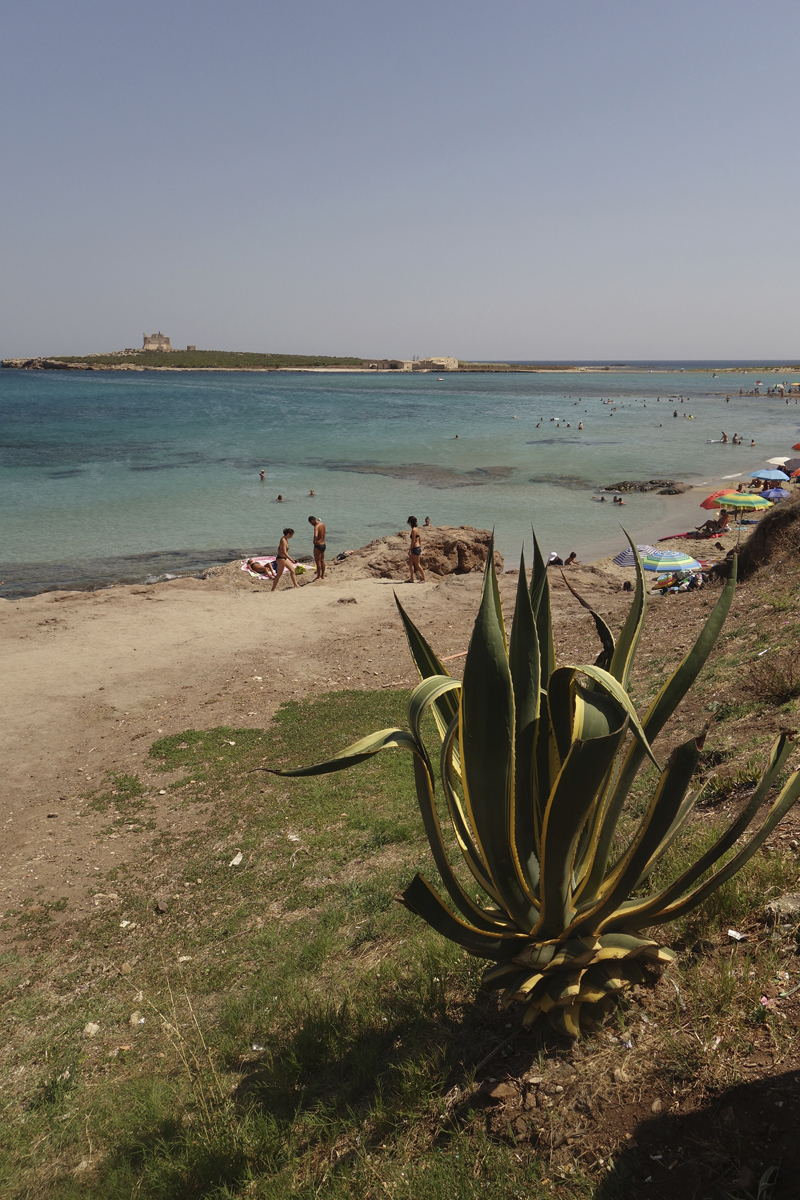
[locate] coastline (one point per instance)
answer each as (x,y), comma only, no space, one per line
(55,364)
(683,514)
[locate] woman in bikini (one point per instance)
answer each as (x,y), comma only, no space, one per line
(415,552)
(282,560)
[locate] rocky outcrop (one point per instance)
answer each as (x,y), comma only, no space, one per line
(665,487)
(446,550)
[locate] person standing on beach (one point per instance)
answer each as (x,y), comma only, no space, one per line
(415,552)
(319,546)
(282,561)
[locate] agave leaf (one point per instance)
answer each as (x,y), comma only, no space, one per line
(656,717)
(655,824)
(672,834)
(429,692)
(566,1021)
(540,603)
(524,664)
(420,897)
(384,739)
(458,817)
(625,649)
(562,680)
(781,748)
(784,802)
(604,633)
(487,753)
(473,913)
(585,768)
(427,663)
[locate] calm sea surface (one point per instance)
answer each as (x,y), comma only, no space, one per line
(131,476)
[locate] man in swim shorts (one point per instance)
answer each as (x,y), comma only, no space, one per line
(415,552)
(319,546)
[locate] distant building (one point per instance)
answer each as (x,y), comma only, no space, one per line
(411,364)
(156,341)
(437,364)
(191,347)
(386,364)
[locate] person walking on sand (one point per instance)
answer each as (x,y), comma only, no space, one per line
(319,546)
(415,552)
(282,561)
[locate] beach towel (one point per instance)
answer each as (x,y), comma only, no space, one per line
(270,558)
(299,569)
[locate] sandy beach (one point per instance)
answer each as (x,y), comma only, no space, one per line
(93,678)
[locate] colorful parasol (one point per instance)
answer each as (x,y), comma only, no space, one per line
(741,500)
(669,560)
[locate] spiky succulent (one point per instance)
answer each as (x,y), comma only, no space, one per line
(536,764)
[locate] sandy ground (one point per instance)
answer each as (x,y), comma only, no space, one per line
(92,678)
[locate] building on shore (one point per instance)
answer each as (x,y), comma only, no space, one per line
(156,341)
(387,364)
(411,364)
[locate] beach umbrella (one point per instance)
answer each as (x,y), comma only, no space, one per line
(775,494)
(709,501)
(742,500)
(781,476)
(625,557)
(797,444)
(791,464)
(669,560)
(777,462)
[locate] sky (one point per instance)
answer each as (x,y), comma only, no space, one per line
(604,180)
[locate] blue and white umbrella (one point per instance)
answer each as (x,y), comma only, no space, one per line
(779,476)
(625,557)
(776,494)
(669,560)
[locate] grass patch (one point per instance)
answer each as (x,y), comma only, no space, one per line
(284,1028)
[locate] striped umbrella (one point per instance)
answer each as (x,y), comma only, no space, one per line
(741,500)
(669,560)
(625,557)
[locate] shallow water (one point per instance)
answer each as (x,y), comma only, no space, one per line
(132,476)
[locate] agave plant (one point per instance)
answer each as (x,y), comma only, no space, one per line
(537,762)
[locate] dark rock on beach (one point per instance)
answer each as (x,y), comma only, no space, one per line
(665,487)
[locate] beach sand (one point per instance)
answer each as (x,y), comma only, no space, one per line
(91,679)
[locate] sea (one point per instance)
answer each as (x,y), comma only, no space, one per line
(139,476)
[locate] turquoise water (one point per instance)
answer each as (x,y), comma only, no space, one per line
(132,475)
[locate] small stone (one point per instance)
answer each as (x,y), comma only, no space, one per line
(162,906)
(237,858)
(134,1020)
(125,969)
(91,1028)
(787,905)
(502,1091)
(656,1106)
(51,815)
(530,1100)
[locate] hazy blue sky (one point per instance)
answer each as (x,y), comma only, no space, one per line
(612,179)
